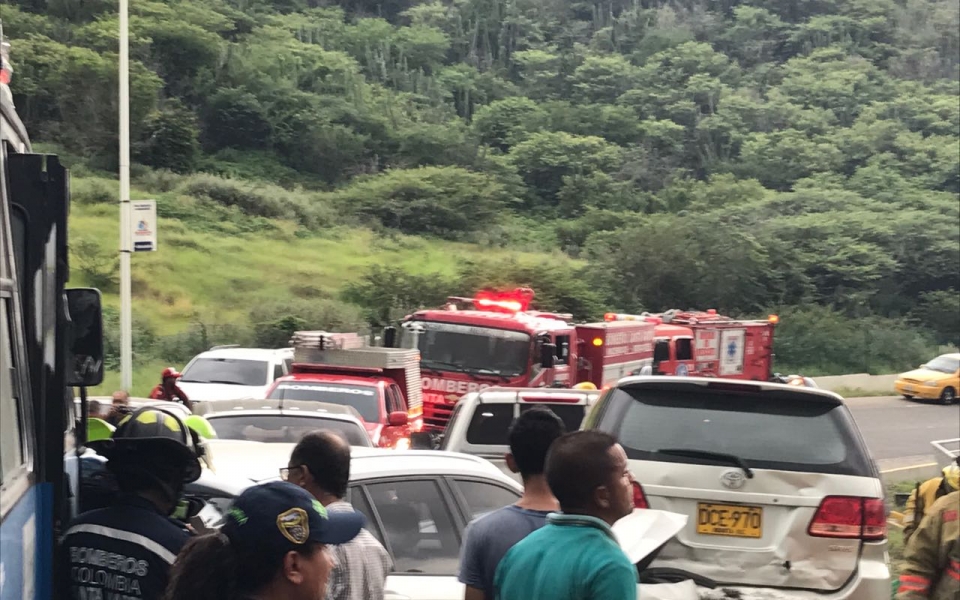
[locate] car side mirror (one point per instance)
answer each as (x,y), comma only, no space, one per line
(397,418)
(548,355)
(85,338)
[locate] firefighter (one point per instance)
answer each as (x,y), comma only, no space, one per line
(925,494)
(932,559)
(168,389)
(126,549)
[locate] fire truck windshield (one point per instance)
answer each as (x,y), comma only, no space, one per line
(469,349)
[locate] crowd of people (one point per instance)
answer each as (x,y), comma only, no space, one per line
(298,539)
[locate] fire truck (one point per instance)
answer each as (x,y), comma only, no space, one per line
(494,339)
(382,384)
(707,344)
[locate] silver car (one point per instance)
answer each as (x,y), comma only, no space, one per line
(282,421)
(779,486)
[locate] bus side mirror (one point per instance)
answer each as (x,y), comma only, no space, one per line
(548,355)
(84,364)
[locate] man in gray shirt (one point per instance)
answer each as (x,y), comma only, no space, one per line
(488,538)
(320,464)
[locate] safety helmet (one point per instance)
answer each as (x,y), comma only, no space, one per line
(170,372)
(585,385)
(951,474)
(202,426)
(156,432)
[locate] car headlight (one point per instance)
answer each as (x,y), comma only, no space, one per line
(930,383)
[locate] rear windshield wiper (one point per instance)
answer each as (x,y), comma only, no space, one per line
(729,458)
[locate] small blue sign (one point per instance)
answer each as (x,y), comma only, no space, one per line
(732,349)
(682,370)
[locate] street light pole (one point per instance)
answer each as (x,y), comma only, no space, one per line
(126,341)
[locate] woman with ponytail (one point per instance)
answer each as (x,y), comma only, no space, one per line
(273,546)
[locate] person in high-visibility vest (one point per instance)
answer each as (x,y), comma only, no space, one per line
(925,494)
(931,567)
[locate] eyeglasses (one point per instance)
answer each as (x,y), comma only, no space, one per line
(285,472)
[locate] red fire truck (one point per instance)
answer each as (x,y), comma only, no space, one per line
(382,384)
(493,339)
(707,344)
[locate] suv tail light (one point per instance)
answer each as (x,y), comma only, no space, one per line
(850,517)
(639,498)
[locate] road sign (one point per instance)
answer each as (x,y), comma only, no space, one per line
(144,224)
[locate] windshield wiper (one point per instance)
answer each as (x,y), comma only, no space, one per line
(427,364)
(490,372)
(223,381)
(729,458)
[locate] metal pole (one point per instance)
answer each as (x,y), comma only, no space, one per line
(126,341)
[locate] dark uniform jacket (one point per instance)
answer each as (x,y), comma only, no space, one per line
(122,552)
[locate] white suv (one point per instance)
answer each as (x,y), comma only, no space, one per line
(230,373)
(782,495)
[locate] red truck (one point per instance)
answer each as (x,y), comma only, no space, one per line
(382,384)
(707,344)
(493,339)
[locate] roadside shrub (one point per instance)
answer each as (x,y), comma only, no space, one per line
(275,322)
(388,293)
(94,190)
(179,348)
(817,340)
(158,180)
(254,199)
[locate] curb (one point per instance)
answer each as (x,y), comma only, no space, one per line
(921,471)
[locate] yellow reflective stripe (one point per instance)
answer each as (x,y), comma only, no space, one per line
(147,417)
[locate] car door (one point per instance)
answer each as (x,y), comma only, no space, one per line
(419,523)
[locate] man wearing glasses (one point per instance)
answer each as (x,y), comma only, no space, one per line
(320,464)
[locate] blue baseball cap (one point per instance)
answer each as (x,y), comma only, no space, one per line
(277,517)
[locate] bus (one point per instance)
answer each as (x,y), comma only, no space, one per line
(50,341)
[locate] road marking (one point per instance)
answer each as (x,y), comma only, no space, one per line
(924,465)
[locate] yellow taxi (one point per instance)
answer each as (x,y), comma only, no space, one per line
(939,379)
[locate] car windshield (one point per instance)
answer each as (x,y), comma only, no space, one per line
(232,371)
(365,399)
(283,428)
(769,433)
(479,350)
(944,364)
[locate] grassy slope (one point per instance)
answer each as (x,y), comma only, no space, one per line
(220,277)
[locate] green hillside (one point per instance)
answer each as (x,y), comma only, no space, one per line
(331,164)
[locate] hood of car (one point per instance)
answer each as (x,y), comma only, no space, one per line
(220,391)
(252,461)
(922,374)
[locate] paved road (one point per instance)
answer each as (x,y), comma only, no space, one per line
(895,428)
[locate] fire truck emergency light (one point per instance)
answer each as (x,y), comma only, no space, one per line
(511,302)
(773,319)
(597,341)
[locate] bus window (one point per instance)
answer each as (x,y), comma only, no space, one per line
(11,436)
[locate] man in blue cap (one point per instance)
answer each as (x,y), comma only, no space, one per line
(274,545)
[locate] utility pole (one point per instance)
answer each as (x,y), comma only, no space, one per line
(126,341)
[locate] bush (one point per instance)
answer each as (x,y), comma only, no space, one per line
(817,340)
(275,322)
(441,201)
(94,190)
(179,348)
(158,180)
(389,293)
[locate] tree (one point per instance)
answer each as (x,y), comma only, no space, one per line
(545,158)
(506,122)
(171,139)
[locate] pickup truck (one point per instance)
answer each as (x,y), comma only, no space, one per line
(481,420)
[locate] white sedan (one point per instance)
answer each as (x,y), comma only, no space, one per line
(417,503)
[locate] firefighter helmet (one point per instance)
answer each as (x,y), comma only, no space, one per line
(585,385)
(156,433)
(170,372)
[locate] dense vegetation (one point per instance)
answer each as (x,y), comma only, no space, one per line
(748,155)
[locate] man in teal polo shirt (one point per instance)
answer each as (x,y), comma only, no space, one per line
(575,556)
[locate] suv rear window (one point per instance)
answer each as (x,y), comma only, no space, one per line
(491,422)
(767,432)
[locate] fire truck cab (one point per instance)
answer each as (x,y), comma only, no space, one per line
(494,340)
(708,344)
(382,384)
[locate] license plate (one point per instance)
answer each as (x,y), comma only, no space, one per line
(730,520)
(908,388)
